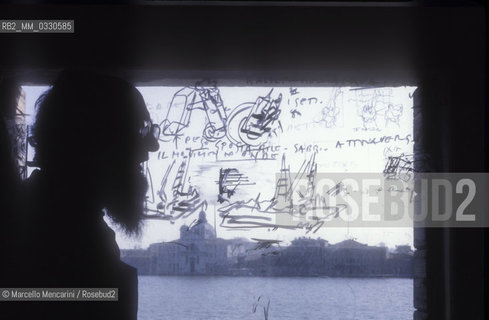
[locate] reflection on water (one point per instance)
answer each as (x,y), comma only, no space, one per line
(232,298)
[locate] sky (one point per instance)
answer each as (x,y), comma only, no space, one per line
(305,123)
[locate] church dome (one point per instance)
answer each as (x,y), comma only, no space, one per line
(202,217)
(183,230)
(202,229)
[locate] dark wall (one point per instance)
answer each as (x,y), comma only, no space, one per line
(442,50)
(334,43)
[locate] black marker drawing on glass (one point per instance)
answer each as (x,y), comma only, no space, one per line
(256,213)
(185,201)
(262,304)
(205,127)
(229,180)
(185,101)
(331,111)
(393,115)
(375,103)
(185,197)
(161,192)
(267,246)
(400,167)
(250,123)
(147,173)
(369,117)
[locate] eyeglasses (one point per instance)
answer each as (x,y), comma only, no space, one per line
(150,134)
(150,129)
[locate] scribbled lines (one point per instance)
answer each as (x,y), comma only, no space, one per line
(280,210)
(183,201)
(393,115)
(268,246)
(203,96)
(255,122)
(399,167)
(249,123)
(373,103)
(265,112)
(229,180)
(331,110)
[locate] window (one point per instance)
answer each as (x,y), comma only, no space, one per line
(236,159)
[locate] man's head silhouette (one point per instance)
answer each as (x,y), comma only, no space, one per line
(91,134)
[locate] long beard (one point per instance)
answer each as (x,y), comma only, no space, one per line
(125,202)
